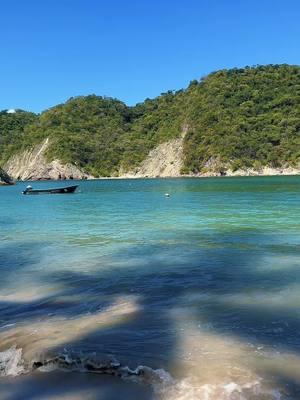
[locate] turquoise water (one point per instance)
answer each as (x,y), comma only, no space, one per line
(203,284)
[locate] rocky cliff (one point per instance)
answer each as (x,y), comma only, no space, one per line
(5,179)
(32,165)
(166,160)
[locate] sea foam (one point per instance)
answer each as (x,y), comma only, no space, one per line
(11,362)
(163,384)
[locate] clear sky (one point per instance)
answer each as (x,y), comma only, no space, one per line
(133,49)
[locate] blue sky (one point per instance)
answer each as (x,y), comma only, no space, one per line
(54,49)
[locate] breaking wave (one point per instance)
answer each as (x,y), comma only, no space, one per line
(166,387)
(11,362)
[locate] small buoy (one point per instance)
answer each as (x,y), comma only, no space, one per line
(167,195)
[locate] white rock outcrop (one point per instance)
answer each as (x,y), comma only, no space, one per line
(31,164)
(166,160)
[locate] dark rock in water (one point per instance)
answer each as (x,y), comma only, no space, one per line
(5,179)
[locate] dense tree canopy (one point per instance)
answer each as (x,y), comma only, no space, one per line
(86,131)
(238,118)
(12,131)
(245,117)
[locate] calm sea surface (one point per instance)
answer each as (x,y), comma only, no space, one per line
(202,288)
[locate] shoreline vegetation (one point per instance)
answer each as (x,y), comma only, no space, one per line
(236,122)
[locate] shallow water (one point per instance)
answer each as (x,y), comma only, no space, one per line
(201,288)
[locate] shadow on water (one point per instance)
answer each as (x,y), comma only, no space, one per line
(227,287)
(57,386)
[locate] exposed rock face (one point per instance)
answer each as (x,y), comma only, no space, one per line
(5,179)
(214,167)
(265,171)
(166,160)
(32,165)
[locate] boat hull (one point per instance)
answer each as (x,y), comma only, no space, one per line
(64,190)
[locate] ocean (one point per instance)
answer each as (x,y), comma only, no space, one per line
(191,296)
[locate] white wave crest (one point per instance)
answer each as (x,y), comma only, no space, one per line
(11,362)
(187,390)
(166,387)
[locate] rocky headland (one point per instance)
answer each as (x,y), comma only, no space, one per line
(32,164)
(5,179)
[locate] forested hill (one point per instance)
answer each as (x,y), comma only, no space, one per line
(245,117)
(237,118)
(13,133)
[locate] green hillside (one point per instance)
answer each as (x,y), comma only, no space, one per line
(86,131)
(245,117)
(239,118)
(13,131)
